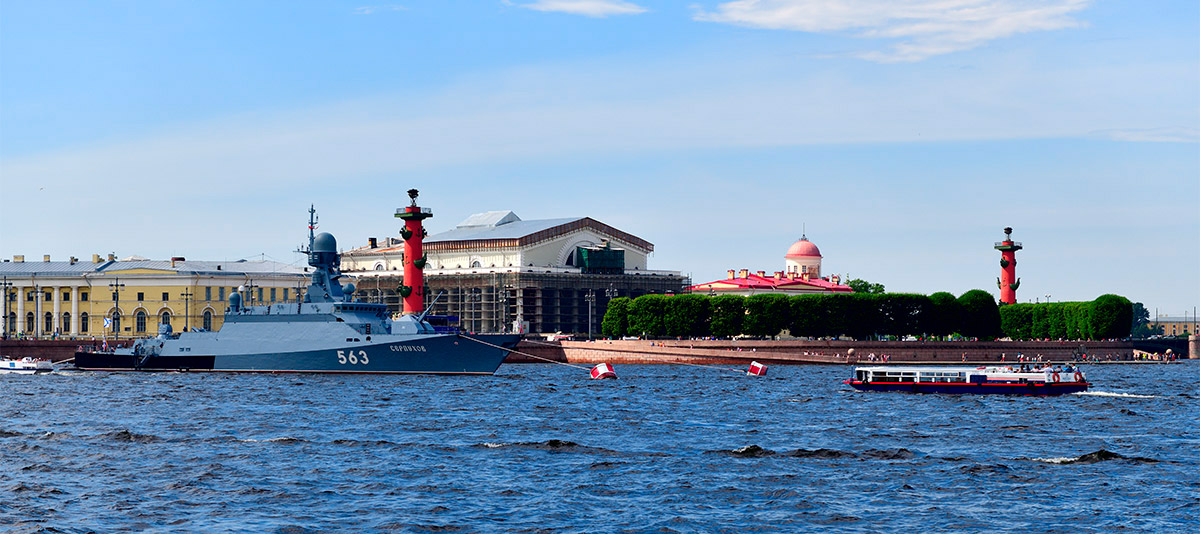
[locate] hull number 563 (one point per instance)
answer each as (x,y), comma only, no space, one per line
(349,356)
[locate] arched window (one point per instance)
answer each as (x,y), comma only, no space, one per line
(47,323)
(29,321)
(166,318)
(83,323)
(116,321)
(208,320)
(475,264)
(140,321)
(66,322)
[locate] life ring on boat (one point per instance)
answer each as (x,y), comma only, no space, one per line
(1055,378)
(1078,376)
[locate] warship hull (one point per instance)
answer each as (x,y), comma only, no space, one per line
(440,354)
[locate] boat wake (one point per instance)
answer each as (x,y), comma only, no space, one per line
(1115,394)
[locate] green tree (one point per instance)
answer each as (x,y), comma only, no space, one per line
(1111,316)
(863,286)
(766,315)
(616,318)
(1016,320)
(980,314)
(901,314)
(1141,327)
(647,314)
(688,315)
(728,312)
(946,314)
(806,316)
(1056,321)
(862,314)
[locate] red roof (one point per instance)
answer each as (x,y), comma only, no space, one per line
(803,249)
(768,283)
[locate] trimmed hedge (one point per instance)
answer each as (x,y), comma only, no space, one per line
(616,319)
(866,315)
(1107,317)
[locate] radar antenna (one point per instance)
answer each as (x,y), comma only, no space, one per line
(312,225)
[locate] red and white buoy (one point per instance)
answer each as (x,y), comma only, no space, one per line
(757,369)
(603,370)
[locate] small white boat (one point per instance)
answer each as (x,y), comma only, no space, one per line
(26,366)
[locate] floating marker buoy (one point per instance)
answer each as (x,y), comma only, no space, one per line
(603,370)
(757,369)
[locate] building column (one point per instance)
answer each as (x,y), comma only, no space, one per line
(74,310)
(57,322)
(20,326)
(38,296)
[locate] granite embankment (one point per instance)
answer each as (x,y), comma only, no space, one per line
(738,351)
(55,350)
(799,352)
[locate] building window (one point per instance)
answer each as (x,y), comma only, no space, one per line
(48,323)
(166,296)
(66,296)
(207,320)
(272,294)
(140,321)
(29,320)
(221,293)
(47,296)
(285,294)
(166,318)
(83,296)
(260,294)
(141,296)
(207,294)
(116,321)
(83,323)
(66,322)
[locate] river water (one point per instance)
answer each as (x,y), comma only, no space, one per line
(542,448)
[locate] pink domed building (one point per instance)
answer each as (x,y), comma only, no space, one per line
(801,275)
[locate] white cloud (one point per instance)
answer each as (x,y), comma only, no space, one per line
(590,8)
(919,28)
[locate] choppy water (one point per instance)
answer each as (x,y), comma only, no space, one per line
(541,448)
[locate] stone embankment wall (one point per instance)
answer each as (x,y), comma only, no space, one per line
(53,350)
(796,351)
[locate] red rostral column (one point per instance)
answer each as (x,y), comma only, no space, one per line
(413,233)
(1008,280)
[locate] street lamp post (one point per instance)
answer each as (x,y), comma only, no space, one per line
(187,295)
(1047,298)
(249,299)
(116,286)
(590,297)
(502,313)
(4,287)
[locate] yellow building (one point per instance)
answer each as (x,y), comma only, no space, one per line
(1177,326)
(130,297)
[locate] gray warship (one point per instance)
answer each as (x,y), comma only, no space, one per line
(324,332)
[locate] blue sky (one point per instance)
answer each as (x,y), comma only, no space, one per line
(903,135)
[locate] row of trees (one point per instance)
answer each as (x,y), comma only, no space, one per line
(865,315)
(858,315)
(1107,317)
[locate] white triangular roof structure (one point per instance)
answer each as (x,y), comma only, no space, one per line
(489,219)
